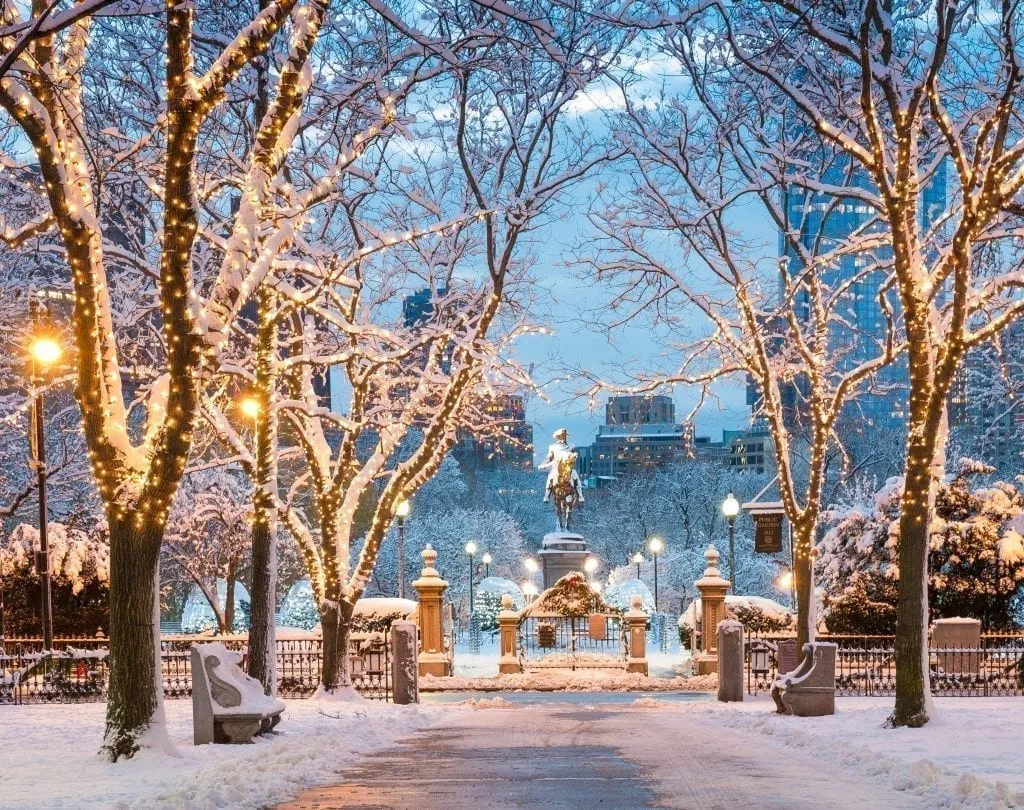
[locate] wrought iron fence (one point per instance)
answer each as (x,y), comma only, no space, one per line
(571,642)
(77,675)
(865,665)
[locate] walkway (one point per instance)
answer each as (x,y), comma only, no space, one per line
(578,756)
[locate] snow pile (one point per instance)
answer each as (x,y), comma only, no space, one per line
(567,680)
(313,745)
(650,703)
(485,703)
(755,613)
(969,756)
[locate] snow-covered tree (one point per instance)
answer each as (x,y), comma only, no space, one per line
(470,180)
(975,555)
(209,537)
(903,96)
(152,168)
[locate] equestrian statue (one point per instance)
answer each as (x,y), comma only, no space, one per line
(564,487)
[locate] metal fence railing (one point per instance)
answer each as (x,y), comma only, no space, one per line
(571,642)
(865,665)
(78,675)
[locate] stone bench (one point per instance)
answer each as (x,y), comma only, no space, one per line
(227,705)
(810,690)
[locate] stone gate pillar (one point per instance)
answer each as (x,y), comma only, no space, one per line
(636,626)
(508,625)
(430,588)
(712,587)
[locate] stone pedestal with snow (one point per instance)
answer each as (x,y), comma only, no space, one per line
(227,705)
(810,689)
(561,553)
(730,661)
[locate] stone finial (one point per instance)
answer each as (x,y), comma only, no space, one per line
(636,602)
(712,557)
(506,601)
(429,556)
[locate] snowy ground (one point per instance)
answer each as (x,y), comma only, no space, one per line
(48,756)
(970,755)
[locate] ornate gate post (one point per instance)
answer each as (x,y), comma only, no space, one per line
(508,625)
(430,588)
(712,589)
(636,626)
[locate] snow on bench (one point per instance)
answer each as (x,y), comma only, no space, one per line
(227,705)
(810,689)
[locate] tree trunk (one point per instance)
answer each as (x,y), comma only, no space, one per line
(804,579)
(912,678)
(135,688)
(337,626)
(262,658)
(228,623)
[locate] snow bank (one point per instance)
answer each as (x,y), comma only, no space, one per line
(41,743)
(567,680)
(969,756)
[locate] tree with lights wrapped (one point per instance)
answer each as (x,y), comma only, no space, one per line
(905,97)
(693,163)
(51,99)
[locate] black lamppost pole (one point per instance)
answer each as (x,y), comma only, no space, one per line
(471,551)
(486,560)
(401,513)
(44,351)
(731,508)
(655,545)
(638,558)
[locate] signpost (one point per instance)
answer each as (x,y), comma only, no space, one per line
(767,532)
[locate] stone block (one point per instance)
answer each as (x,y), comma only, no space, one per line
(405,662)
(730,661)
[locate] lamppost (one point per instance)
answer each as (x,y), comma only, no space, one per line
(638,558)
(45,351)
(531,566)
(401,513)
(731,508)
(486,560)
(590,566)
(655,545)
(529,591)
(471,551)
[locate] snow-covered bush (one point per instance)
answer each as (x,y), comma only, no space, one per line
(570,596)
(375,614)
(80,568)
(299,607)
(755,613)
(487,600)
(620,594)
(975,559)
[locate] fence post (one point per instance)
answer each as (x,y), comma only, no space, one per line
(404,663)
(636,626)
(508,624)
(730,659)
(433,660)
(712,588)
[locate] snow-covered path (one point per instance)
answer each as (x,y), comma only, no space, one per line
(646,754)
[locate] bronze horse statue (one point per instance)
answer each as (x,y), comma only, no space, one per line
(566,489)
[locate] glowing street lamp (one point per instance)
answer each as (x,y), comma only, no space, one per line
(529,591)
(401,513)
(44,352)
(487,559)
(655,545)
(731,508)
(638,558)
(590,566)
(250,407)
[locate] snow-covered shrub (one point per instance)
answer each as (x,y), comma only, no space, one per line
(975,560)
(755,613)
(80,568)
(570,596)
(620,594)
(375,614)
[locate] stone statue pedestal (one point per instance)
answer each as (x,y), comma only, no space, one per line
(561,553)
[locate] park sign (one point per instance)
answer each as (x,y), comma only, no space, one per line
(767,527)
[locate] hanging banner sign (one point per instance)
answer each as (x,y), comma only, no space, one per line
(767,532)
